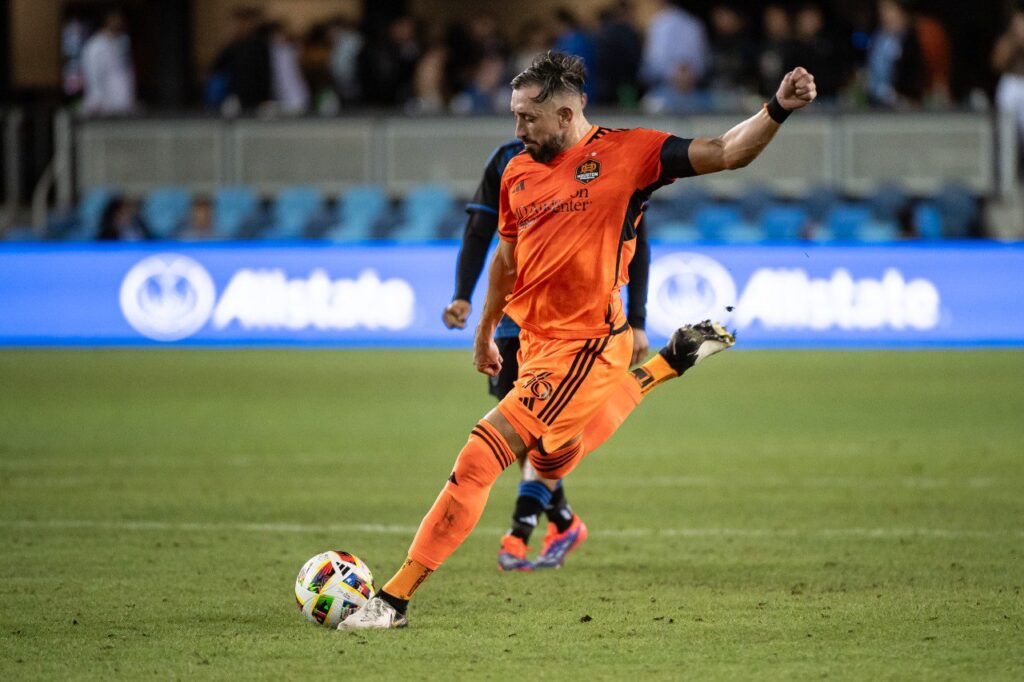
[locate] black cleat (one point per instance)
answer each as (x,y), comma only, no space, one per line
(692,343)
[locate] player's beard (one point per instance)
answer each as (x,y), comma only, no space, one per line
(545,151)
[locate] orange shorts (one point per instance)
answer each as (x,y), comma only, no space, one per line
(562,384)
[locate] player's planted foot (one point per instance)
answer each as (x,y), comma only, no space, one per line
(692,343)
(512,555)
(376,614)
(558,545)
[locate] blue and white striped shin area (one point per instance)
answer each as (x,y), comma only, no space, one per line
(537,491)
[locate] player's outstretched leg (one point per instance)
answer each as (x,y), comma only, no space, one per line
(689,345)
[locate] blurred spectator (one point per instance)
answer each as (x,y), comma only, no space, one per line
(814,51)
(200,221)
(776,52)
(107,69)
(936,53)
(488,93)
(731,53)
(242,70)
(619,47)
(534,37)
(1008,61)
(315,62)
(895,65)
(675,60)
(387,65)
(121,222)
(429,82)
(572,38)
(346,44)
(288,86)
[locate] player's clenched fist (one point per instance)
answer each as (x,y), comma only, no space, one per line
(797,89)
(454,316)
(486,357)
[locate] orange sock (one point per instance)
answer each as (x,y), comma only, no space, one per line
(653,372)
(462,500)
(409,577)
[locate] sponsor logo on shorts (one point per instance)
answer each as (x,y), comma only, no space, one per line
(588,170)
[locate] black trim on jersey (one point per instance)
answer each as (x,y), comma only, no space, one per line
(601,132)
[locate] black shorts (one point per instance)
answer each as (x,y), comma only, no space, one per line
(500,385)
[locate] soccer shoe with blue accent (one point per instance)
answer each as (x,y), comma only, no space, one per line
(512,555)
(375,614)
(692,343)
(558,545)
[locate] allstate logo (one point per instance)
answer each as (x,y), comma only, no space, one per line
(167,297)
(686,288)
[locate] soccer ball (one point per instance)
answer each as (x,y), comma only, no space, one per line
(332,585)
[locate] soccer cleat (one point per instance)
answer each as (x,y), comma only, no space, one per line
(692,343)
(512,555)
(376,614)
(558,545)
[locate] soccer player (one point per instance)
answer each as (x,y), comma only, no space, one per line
(565,529)
(567,215)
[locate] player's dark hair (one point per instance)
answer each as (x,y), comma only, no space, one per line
(554,72)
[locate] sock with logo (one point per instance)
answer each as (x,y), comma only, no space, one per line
(653,372)
(558,510)
(534,497)
(399,590)
(457,509)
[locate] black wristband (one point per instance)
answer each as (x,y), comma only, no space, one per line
(776,110)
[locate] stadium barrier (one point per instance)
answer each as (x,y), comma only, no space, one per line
(852,152)
(318,294)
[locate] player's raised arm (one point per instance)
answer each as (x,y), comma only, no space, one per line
(742,144)
(501,279)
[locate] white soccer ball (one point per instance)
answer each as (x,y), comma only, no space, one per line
(332,585)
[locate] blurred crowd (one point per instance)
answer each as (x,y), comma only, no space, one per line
(889,56)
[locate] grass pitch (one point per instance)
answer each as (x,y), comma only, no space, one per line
(784,515)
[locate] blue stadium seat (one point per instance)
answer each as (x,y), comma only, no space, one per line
(753,200)
(818,202)
(165,211)
(928,221)
(88,216)
(234,210)
(876,231)
(712,220)
(20,234)
(423,214)
(358,213)
(782,223)
(959,210)
(887,202)
(294,212)
(843,222)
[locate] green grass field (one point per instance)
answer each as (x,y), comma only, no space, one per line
(774,515)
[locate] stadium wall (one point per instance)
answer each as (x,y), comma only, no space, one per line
(322,294)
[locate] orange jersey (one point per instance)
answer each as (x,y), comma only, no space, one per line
(573,222)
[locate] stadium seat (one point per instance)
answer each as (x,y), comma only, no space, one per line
(165,211)
(753,200)
(423,214)
(20,234)
(959,210)
(712,220)
(782,223)
(887,202)
(358,213)
(294,212)
(818,202)
(928,221)
(235,209)
(843,222)
(88,216)
(875,231)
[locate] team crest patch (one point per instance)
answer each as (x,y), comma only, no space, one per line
(588,170)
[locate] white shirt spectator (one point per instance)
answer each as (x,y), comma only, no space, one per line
(289,88)
(108,74)
(674,38)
